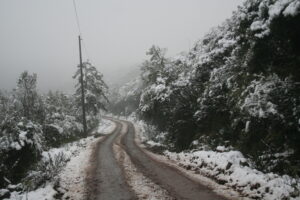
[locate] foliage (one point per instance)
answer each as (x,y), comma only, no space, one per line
(237,87)
(45,170)
(21,144)
(61,124)
(126,99)
(95,90)
(30,102)
(31,123)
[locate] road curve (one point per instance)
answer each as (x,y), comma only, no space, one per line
(105,179)
(169,178)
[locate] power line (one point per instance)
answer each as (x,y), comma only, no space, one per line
(76,16)
(79,28)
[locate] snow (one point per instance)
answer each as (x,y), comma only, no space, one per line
(257,103)
(71,177)
(195,142)
(105,127)
(230,168)
(22,137)
(15,145)
(257,25)
(147,134)
(152,143)
(293,9)
(160,91)
(60,129)
(221,148)
(247,126)
(225,43)
(130,89)
(3,192)
(45,193)
(219,189)
(181,81)
(261,24)
(277,7)
(143,187)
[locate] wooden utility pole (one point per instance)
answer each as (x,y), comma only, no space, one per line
(82,90)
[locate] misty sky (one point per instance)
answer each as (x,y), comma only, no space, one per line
(41,35)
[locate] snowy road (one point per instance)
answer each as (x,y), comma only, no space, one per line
(107,180)
(110,180)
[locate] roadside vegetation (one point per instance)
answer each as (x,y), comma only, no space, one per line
(238,87)
(32,124)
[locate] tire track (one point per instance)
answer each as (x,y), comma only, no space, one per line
(141,185)
(169,178)
(105,179)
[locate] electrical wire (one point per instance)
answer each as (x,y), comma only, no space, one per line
(79,29)
(76,16)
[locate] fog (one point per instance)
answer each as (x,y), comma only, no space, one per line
(42,36)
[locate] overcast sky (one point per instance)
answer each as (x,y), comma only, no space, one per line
(41,35)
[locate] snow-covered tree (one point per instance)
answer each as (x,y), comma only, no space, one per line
(31,123)
(153,68)
(238,86)
(26,92)
(30,103)
(60,124)
(95,89)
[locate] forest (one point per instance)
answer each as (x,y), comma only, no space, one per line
(32,123)
(238,87)
(227,110)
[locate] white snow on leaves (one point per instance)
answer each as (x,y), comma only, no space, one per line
(257,102)
(228,168)
(261,24)
(72,175)
(22,135)
(45,193)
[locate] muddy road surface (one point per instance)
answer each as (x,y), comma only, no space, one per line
(106,180)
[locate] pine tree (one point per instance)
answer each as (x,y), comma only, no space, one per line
(30,103)
(153,68)
(95,90)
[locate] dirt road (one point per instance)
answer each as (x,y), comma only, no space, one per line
(106,180)
(109,181)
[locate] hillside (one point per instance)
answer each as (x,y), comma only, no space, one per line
(238,87)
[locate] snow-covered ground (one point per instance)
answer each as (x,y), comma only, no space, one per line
(229,169)
(44,193)
(71,177)
(105,127)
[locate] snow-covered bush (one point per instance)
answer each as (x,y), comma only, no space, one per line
(232,169)
(21,144)
(45,170)
(61,123)
(238,86)
(31,123)
(125,100)
(95,90)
